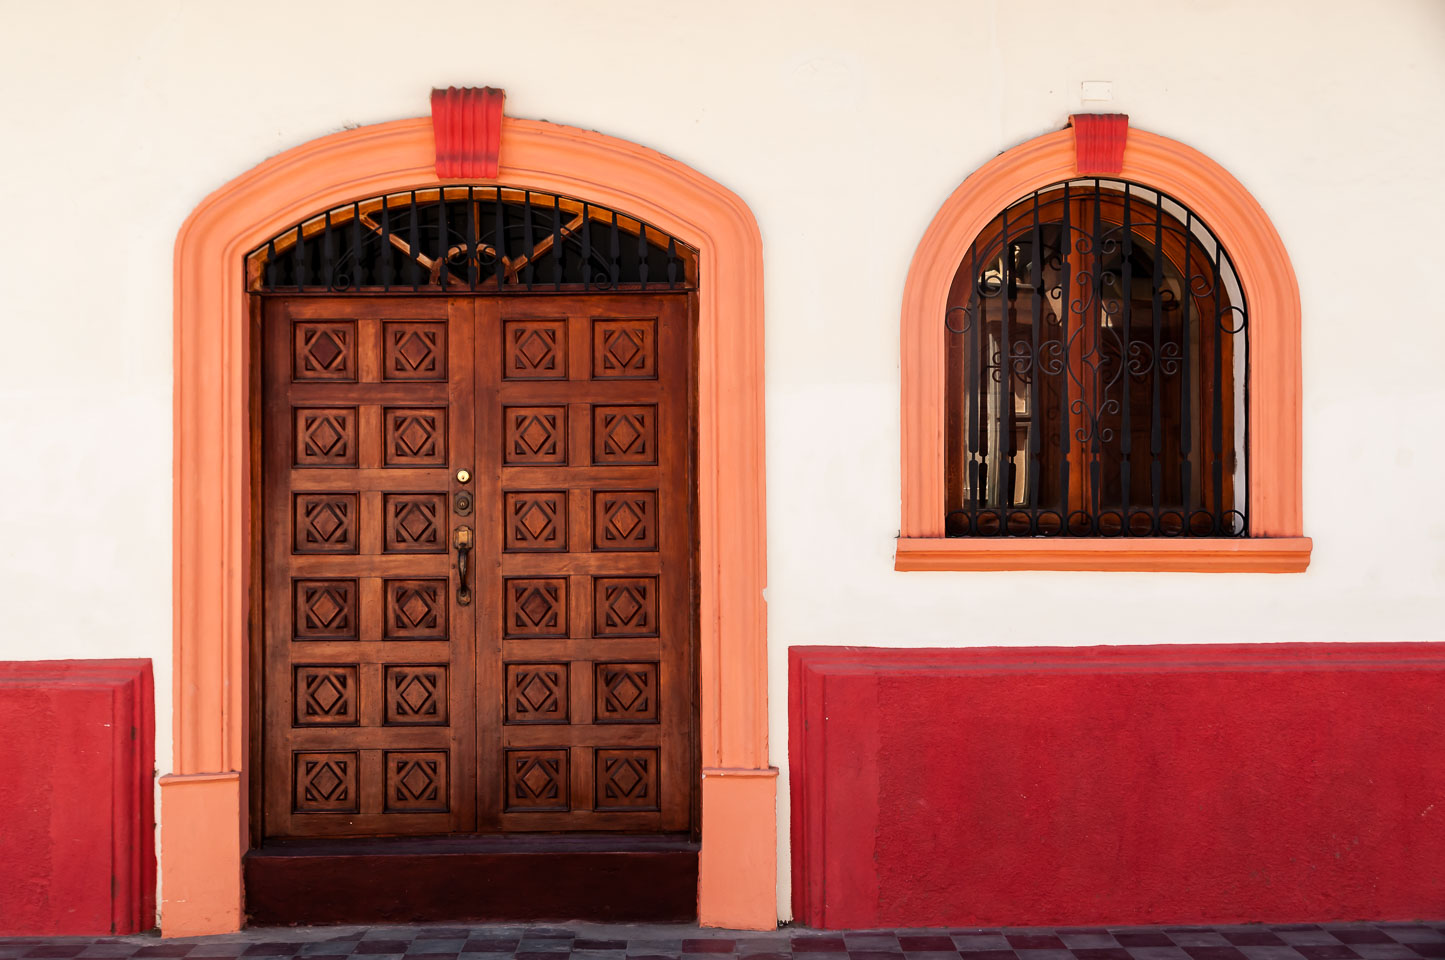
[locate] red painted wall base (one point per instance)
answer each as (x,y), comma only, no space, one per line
(1119,785)
(77,847)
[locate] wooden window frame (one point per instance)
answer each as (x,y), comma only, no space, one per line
(1276,541)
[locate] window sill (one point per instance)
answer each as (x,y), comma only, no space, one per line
(1198,555)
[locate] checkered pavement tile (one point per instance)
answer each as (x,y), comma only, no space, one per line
(1305,941)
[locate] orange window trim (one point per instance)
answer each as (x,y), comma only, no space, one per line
(203,800)
(1276,541)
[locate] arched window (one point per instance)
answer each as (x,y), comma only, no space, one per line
(1100,367)
(1097,342)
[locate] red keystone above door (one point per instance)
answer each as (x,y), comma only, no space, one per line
(467,122)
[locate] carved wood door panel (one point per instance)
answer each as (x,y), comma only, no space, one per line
(561,697)
(369,709)
(585,624)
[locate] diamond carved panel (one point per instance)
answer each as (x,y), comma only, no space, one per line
(536,607)
(325,610)
(415,523)
(326,783)
(415,436)
(626,693)
(535,435)
(325,436)
(324,350)
(416,781)
(534,350)
(325,695)
(325,523)
(536,692)
(416,695)
(414,351)
(537,780)
(624,520)
(535,520)
(624,607)
(626,780)
(416,610)
(624,349)
(624,434)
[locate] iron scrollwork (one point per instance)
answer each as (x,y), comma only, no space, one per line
(474,239)
(1097,357)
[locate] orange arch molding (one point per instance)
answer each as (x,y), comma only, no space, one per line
(1276,542)
(203,822)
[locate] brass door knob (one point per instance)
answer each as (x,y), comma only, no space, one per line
(463,475)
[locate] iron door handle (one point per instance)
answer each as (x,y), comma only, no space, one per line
(462,539)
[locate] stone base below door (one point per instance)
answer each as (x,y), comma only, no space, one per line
(523,878)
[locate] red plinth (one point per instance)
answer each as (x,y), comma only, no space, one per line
(77,849)
(1117,785)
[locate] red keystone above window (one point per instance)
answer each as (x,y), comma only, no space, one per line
(467,122)
(1098,141)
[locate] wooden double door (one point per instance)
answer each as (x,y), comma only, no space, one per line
(477,555)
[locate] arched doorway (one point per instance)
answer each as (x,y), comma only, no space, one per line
(204,832)
(476,599)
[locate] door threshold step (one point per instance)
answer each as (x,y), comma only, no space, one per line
(608,878)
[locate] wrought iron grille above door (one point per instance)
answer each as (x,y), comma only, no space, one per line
(1097,358)
(471,239)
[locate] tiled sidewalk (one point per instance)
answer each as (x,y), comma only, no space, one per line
(583,941)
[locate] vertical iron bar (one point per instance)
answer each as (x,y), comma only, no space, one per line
(1186,425)
(441,260)
(298,257)
(1006,451)
(671,262)
(586,248)
(973,354)
(1036,425)
(616,253)
(1217,430)
(473,253)
(415,236)
(557,242)
(328,253)
(642,253)
(499,239)
(531,240)
(1241,498)
(1095,318)
(1126,431)
(356,245)
(985,488)
(268,281)
(385,245)
(1066,244)
(1156,415)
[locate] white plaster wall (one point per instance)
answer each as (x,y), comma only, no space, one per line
(843,125)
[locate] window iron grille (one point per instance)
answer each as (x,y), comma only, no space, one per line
(1097,371)
(470,239)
